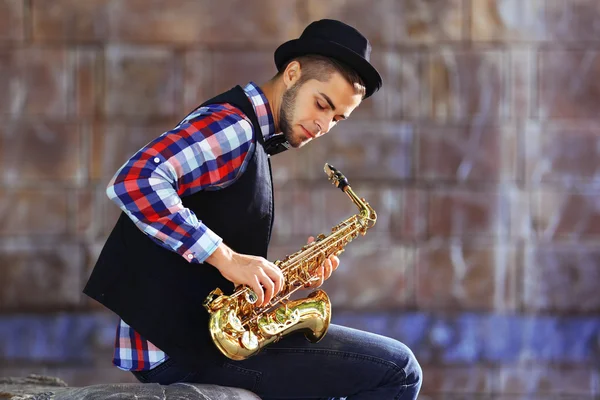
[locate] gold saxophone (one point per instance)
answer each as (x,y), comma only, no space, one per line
(240,330)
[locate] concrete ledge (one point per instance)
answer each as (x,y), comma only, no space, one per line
(36,387)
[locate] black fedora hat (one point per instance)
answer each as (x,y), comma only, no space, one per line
(335,39)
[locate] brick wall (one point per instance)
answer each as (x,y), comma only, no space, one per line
(479,155)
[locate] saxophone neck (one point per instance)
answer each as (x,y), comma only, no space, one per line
(367,216)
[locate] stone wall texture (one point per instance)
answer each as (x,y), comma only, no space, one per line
(480,155)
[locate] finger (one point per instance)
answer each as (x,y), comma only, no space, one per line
(321,275)
(275,274)
(269,287)
(257,288)
(313,281)
(318,276)
(328,269)
(310,239)
(335,262)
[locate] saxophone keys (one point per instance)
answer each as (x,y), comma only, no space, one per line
(251,297)
(215,300)
(235,322)
(249,340)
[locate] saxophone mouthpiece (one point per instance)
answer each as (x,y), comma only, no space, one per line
(337,178)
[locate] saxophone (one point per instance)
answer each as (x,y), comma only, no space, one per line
(240,330)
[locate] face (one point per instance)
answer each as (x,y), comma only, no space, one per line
(311,109)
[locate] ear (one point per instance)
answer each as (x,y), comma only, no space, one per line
(291,74)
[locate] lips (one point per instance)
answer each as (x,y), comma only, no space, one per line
(307,133)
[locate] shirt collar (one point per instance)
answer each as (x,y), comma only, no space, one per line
(261,108)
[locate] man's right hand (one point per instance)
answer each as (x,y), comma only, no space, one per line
(261,275)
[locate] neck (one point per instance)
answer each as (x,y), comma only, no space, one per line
(273,91)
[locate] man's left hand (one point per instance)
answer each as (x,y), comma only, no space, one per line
(325,270)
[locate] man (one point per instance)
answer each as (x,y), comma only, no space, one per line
(197,214)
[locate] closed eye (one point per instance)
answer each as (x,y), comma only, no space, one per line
(322,108)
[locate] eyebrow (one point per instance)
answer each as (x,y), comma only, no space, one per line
(331,104)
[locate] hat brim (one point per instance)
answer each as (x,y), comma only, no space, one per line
(300,47)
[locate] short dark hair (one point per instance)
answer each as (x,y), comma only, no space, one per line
(319,67)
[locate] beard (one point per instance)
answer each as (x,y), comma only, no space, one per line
(286,115)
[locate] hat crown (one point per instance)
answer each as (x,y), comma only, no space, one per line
(336,40)
(340,33)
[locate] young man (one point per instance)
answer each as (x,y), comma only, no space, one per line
(197,214)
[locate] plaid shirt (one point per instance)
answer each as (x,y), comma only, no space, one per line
(208,150)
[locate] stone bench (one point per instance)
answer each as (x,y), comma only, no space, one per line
(36,387)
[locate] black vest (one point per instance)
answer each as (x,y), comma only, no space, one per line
(155,290)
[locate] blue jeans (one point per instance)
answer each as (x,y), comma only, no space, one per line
(346,363)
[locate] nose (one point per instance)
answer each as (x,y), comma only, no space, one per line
(324,127)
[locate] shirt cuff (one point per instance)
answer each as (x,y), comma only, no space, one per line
(204,244)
